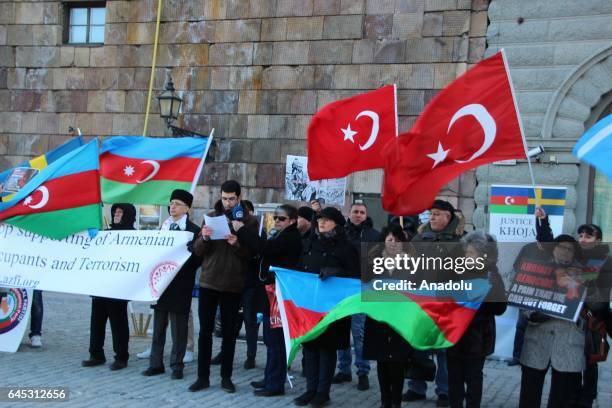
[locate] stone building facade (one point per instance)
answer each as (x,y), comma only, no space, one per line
(560,57)
(256,71)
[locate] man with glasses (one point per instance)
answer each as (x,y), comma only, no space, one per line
(221,284)
(174,304)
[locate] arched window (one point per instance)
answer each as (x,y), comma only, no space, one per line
(601,195)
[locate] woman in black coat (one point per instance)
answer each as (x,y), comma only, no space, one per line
(123,217)
(380,342)
(282,249)
(466,358)
(327,254)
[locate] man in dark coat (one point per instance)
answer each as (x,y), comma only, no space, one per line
(282,250)
(222,280)
(329,253)
(175,303)
(359,229)
(437,238)
(123,217)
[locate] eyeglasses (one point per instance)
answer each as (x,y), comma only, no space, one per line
(176,204)
(279,218)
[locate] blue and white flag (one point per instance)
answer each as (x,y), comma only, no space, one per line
(595,146)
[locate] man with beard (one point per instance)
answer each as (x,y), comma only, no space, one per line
(222,281)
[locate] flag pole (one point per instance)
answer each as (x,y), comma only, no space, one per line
(152,78)
(520,121)
(201,165)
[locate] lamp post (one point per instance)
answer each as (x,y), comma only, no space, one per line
(170,108)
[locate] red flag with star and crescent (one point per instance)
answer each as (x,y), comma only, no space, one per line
(349,135)
(473,121)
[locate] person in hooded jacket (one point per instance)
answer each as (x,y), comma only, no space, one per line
(327,254)
(174,304)
(283,250)
(123,217)
(465,360)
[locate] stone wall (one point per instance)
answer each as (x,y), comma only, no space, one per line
(256,71)
(560,57)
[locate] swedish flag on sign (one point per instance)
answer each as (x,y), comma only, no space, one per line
(552,200)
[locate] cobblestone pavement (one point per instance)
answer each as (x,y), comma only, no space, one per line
(66,340)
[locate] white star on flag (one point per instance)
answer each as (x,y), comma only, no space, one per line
(28,200)
(128,170)
(349,133)
(439,156)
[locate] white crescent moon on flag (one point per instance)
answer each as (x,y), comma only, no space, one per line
(44,200)
(153,173)
(375,126)
(508,200)
(486,121)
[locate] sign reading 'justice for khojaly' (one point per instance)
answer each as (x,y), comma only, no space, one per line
(133,265)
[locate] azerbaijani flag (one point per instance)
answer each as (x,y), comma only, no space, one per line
(308,306)
(522,200)
(42,161)
(145,170)
(62,199)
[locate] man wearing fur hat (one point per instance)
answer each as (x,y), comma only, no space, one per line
(175,303)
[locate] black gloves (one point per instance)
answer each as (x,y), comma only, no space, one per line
(190,246)
(537,317)
(328,271)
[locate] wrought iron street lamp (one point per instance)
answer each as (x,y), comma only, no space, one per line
(169,103)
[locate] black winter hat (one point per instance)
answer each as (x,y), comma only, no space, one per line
(183,195)
(333,214)
(444,206)
(306,213)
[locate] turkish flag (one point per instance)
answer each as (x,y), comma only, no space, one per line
(349,135)
(473,121)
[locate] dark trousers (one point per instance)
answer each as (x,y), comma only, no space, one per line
(564,388)
(37,314)
(179,326)
(391,382)
(276,357)
(229,305)
(250,321)
(588,393)
(464,381)
(103,309)
(319,366)
(519,335)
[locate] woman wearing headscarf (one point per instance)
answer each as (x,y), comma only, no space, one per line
(123,217)
(467,357)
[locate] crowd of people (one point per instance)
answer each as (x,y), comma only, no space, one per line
(320,240)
